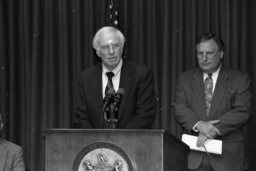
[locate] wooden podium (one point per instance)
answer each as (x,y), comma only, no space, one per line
(113,150)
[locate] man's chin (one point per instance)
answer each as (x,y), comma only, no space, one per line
(205,68)
(111,65)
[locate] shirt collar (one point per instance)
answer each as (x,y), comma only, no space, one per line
(214,74)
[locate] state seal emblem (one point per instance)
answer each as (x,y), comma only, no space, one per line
(103,156)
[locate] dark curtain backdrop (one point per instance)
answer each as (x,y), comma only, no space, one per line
(44,44)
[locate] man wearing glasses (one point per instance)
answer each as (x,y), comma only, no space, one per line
(137,106)
(214,102)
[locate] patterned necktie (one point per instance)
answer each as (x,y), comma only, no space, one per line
(208,87)
(110,83)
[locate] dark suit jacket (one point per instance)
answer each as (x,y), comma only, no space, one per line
(138,106)
(231,104)
(11,158)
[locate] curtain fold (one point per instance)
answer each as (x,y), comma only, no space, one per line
(45,44)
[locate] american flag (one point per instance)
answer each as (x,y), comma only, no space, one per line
(112,13)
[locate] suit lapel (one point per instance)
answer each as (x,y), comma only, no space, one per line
(198,89)
(125,83)
(97,94)
(219,91)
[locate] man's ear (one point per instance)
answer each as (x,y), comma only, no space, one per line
(221,54)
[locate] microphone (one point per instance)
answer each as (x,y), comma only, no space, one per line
(117,100)
(107,101)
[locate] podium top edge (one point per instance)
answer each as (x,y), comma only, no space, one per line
(106,130)
(47,132)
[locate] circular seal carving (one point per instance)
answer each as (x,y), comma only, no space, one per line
(102,156)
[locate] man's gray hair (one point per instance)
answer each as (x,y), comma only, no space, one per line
(102,31)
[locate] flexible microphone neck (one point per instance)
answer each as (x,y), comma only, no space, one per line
(107,101)
(117,100)
(112,109)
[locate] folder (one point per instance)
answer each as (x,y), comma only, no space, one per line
(211,145)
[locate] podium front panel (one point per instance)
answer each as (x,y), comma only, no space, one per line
(80,150)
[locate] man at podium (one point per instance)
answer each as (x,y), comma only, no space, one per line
(115,93)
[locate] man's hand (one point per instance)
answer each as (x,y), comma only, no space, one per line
(208,129)
(201,140)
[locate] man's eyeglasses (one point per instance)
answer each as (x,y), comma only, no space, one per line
(209,54)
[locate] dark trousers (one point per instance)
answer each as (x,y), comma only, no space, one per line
(205,165)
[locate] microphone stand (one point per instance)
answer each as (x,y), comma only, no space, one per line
(111,123)
(113,107)
(113,119)
(108,111)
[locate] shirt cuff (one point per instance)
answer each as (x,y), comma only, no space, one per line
(194,127)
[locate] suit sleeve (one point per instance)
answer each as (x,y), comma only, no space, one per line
(240,110)
(184,115)
(145,109)
(18,163)
(82,118)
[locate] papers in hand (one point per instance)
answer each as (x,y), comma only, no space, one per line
(212,145)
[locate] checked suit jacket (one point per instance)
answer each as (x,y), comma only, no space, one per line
(231,104)
(138,106)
